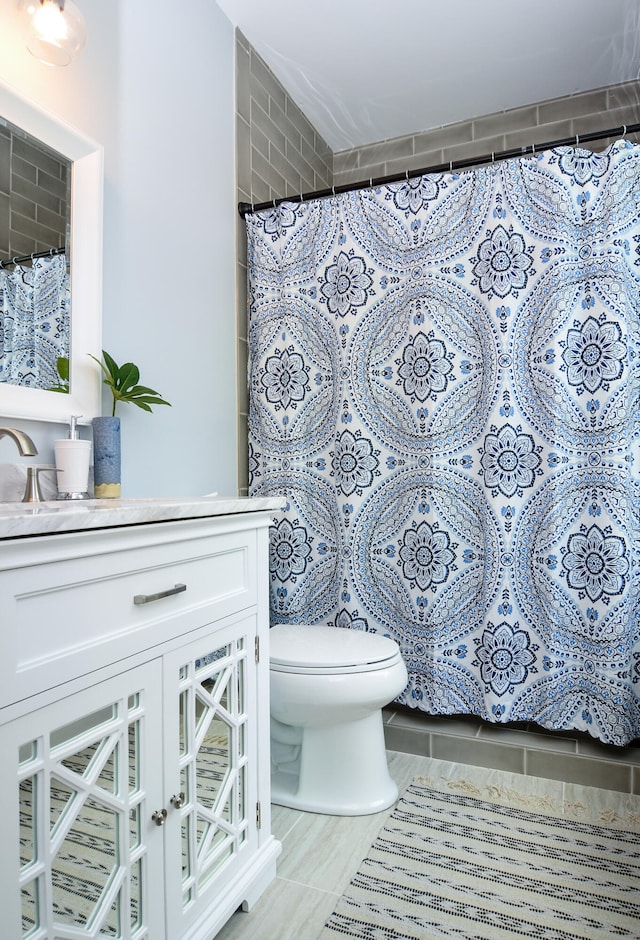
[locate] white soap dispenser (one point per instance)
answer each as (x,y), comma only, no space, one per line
(73,456)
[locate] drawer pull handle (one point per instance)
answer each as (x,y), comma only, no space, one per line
(147,598)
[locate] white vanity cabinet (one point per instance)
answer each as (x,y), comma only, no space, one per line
(134,729)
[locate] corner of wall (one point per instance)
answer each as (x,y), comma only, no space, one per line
(278,152)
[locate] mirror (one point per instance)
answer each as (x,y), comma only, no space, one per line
(85,251)
(35,189)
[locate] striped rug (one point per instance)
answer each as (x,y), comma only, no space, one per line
(456,860)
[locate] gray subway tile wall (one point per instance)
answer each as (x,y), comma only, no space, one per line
(280,154)
(5,159)
(571,756)
(519,127)
(5,215)
(34,196)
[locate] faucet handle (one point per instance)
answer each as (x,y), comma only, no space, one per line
(32,492)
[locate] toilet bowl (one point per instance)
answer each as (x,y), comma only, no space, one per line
(328,686)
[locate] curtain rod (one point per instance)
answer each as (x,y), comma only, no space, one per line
(244,208)
(50,252)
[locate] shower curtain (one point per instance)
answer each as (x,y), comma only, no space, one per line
(34,322)
(444,384)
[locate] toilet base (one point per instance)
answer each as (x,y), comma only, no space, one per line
(338,770)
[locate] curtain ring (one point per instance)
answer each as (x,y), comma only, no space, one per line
(624,131)
(407,176)
(577,140)
(333,190)
(450,166)
(493,157)
(533,150)
(370,182)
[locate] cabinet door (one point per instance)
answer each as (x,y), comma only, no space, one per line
(210,752)
(79,782)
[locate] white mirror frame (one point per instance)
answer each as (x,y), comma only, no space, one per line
(86,159)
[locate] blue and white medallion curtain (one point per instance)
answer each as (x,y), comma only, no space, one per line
(34,322)
(444,383)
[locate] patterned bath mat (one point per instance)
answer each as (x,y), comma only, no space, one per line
(471,863)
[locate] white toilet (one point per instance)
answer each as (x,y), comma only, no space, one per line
(328,686)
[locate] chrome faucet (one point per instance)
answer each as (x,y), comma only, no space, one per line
(27,448)
(25,445)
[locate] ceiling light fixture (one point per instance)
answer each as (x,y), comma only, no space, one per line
(55,29)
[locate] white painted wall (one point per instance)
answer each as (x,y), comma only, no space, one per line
(154,86)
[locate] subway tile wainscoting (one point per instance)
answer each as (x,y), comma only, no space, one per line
(571,756)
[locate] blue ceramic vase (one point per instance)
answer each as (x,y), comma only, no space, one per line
(106,457)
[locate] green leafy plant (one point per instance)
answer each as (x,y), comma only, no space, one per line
(62,366)
(123,384)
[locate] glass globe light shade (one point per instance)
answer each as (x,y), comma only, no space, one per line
(55,30)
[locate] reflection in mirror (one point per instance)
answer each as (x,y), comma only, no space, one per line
(50,205)
(34,322)
(35,188)
(213,776)
(74,819)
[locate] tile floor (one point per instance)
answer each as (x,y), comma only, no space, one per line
(320,854)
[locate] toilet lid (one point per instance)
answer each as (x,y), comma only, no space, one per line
(312,647)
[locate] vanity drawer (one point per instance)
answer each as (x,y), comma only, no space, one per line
(68,617)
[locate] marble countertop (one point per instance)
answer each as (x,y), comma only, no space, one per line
(49,517)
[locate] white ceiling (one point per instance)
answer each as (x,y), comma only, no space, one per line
(369,70)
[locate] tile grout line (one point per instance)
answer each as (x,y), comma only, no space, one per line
(305,884)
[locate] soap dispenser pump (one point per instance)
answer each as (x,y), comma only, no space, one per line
(72,463)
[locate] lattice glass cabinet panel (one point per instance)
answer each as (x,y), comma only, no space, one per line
(215,798)
(84,782)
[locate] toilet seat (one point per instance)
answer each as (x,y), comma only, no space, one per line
(317,650)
